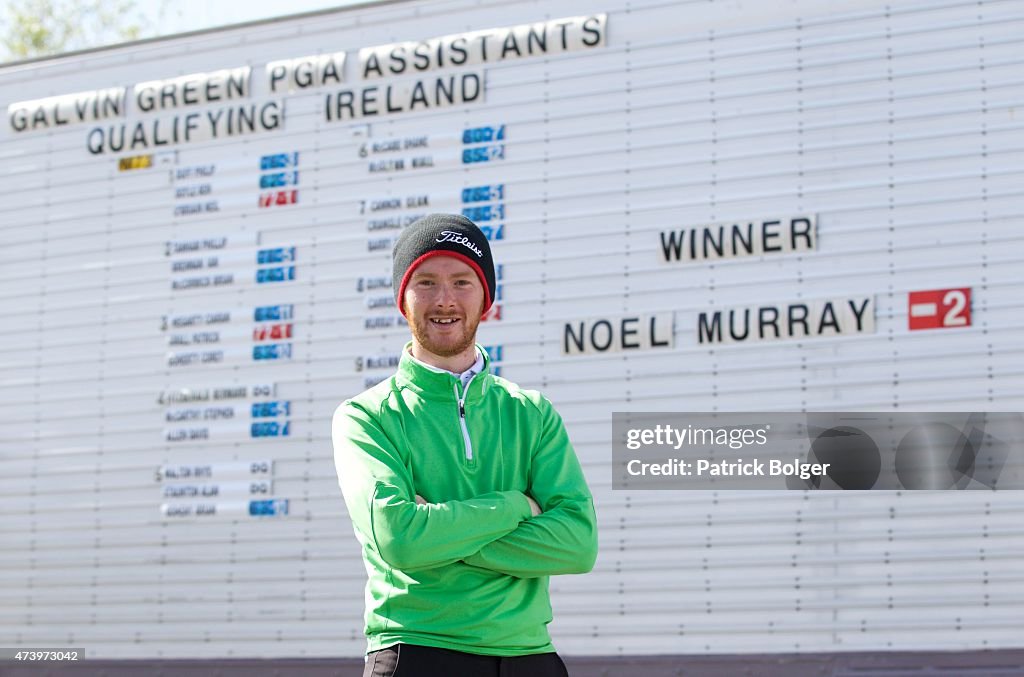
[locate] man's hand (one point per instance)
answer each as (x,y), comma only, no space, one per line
(420,500)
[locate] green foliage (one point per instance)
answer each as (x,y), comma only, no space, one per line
(32,28)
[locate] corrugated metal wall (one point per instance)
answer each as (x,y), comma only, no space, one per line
(895,128)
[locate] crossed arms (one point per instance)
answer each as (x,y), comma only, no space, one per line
(498,531)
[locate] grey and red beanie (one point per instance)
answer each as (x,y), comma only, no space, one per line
(442,235)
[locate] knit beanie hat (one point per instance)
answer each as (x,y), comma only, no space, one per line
(442,235)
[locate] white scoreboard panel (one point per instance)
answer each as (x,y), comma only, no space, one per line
(694,206)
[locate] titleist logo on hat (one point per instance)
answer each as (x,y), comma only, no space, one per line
(449,236)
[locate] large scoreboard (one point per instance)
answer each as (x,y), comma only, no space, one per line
(693,206)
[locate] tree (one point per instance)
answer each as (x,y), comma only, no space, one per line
(33,28)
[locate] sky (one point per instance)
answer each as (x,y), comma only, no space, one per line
(168,17)
(179,16)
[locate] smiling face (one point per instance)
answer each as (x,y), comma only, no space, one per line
(443,301)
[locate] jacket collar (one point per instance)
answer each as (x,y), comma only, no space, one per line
(418,378)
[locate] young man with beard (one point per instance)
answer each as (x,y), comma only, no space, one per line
(464,491)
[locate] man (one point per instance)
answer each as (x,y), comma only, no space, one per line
(464,491)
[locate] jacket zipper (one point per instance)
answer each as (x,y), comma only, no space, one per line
(462,418)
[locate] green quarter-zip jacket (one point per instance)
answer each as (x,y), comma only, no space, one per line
(469,570)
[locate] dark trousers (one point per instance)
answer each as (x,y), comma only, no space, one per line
(410,660)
